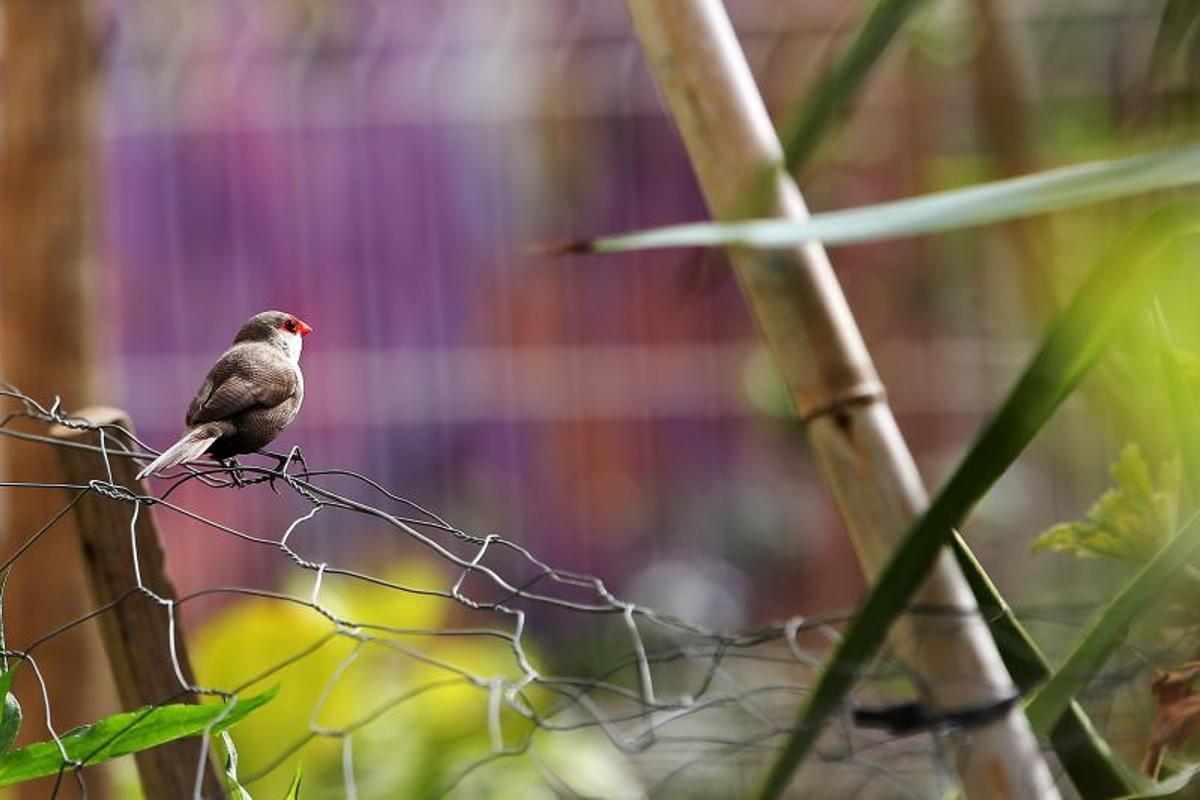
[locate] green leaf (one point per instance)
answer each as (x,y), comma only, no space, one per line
(122,734)
(293,792)
(1120,285)
(232,784)
(1179,22)
(1109,628)
(1095,770)
(10,721)
(1180,786)
(997,201)
(1131,521)
(828,96)
(10,715)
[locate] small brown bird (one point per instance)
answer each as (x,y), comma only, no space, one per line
(249,396)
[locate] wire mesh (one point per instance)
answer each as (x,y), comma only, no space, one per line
(249,145)
(686,707)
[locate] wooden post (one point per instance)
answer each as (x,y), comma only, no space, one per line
(693,52)
(135,632)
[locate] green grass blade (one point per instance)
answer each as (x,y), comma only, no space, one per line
(1110,626)
(122,734)
(996,201)
(1094,769)
(1121,284)
(1178,22)
(293,792)
(809,124)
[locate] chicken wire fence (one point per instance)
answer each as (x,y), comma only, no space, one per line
(685,709)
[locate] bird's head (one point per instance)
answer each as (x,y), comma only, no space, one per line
(277,327)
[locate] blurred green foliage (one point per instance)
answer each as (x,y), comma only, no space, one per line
(1131,521)
(401,691)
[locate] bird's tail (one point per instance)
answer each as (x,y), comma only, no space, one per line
(193,445)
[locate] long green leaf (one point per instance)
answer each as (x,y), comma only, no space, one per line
(807,127)
(122,734)
(293,792)
(1178,22)
(1095,770)
(997,201)
(1180,786)
(1122,283)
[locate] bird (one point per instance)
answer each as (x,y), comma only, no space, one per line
(251,394)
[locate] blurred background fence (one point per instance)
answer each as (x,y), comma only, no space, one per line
(383,167)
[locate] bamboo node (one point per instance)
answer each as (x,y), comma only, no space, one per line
(862,393)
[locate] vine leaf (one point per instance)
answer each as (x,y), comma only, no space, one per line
(1131,521)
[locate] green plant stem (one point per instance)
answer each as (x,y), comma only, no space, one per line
(811,122)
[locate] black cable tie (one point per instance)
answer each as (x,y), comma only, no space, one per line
(912,717)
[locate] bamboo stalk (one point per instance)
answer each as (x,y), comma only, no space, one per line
(702,73)
(1003,113)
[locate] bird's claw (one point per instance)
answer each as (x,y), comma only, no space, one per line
(236,473)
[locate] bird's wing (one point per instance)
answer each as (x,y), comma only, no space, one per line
(242,380)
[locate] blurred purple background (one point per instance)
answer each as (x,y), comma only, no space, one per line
(382,169)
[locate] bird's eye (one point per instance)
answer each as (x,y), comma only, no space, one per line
(290,325)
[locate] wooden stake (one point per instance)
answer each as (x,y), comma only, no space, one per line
(693,52)
(136,631)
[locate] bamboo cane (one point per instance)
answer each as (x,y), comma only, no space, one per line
(692,51)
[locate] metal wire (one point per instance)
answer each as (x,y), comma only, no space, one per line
(724,713)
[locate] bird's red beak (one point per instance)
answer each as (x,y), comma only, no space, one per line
(303,328)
